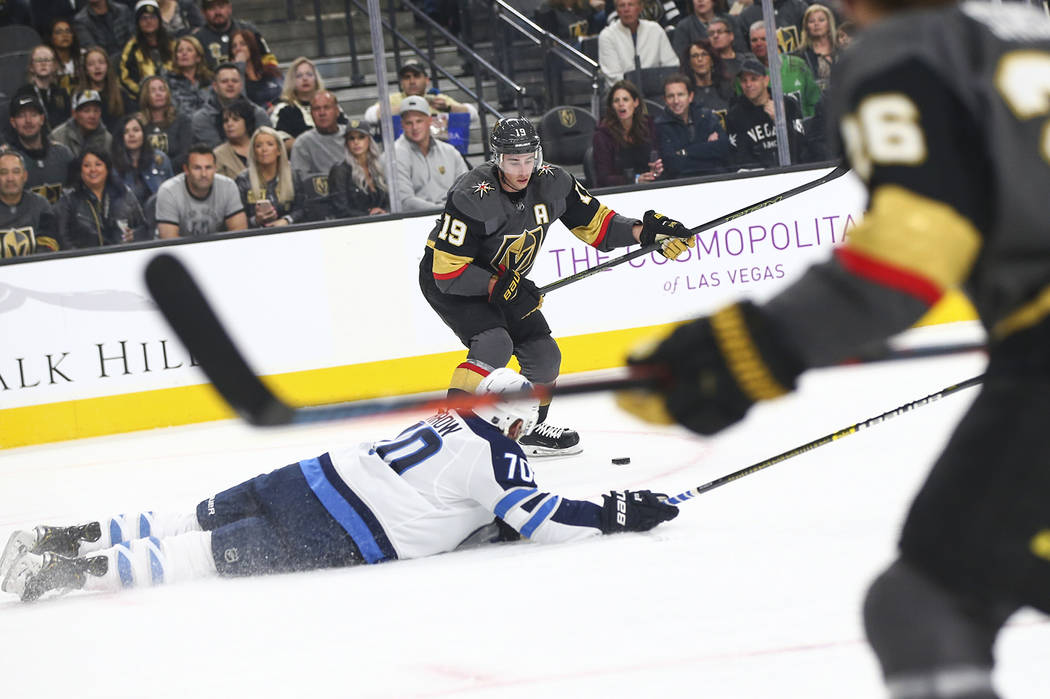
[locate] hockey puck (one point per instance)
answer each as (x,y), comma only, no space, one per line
(622,461)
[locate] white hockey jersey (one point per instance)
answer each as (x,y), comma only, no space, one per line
(436,483)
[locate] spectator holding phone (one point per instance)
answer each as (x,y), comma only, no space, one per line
(272,194)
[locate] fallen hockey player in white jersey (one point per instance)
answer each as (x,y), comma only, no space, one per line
(433,487)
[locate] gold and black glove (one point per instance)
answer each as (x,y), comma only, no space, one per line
(713,370)
(673,237)
(515,295)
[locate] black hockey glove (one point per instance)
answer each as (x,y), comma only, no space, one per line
(673,237)
(515,295)
(634,511)
(715,369)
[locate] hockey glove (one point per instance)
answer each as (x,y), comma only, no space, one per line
(714,369)
(634,511)
(515,295)
(673,237)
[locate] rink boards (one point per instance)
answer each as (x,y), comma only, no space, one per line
(335,313)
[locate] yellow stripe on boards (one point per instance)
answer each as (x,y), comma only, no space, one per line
(91,417)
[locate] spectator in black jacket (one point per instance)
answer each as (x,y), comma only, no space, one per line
(104,23)
(27,225)
(168,129)
(706,75)
(46,163)
(692,140)
(63,41)
(97,209)
(42,75)
(358,185)
(571,19)
(215,37)
(751,125)
(263,82)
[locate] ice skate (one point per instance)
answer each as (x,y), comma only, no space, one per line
(31,575)
(65,541)
(548,440)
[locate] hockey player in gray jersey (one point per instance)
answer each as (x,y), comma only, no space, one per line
(475,266)
(437,485)
(944,111)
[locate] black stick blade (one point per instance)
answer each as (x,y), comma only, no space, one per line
(191,316)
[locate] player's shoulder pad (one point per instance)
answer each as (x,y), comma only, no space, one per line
(476,194)
(553,181)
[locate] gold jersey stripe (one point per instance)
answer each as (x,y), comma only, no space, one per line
(593,230)
(1024,317)
(446,262)
(917,234)
(742,356)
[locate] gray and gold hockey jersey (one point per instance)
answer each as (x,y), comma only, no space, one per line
(484,230)
(945,113)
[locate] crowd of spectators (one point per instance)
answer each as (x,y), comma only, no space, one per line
(707,75)
(171,118)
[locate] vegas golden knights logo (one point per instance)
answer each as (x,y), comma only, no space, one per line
(159,141)
(788,39)
(17,241)
(321,185)
(567,117)
(518,252)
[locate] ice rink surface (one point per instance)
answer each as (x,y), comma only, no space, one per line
(752,592)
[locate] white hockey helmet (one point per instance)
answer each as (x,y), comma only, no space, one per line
(504,414)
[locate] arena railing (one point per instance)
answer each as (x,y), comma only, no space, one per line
(434,33)
(556,53)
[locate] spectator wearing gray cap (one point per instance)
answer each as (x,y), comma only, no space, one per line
(751,123)
(426,166)
(45,162)
(104,23)
(85,127)
(318,149)
(358,184)
(413,79)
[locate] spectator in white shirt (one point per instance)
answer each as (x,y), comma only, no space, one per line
(631,42)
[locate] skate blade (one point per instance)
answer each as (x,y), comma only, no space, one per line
(17,544)
(544,452)
(19,572)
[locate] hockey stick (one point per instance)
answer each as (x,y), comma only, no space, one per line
(183,304)
(834,174)
(826,439)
